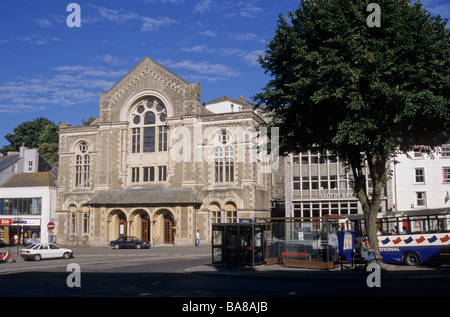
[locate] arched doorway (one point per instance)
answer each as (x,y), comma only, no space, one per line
(117,224)
(163,231)
(140,226)
(168,229)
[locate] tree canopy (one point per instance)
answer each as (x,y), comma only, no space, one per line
(40,133)
(361,92)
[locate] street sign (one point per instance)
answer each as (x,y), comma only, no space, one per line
(51,226)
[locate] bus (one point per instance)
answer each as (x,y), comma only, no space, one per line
(411,237)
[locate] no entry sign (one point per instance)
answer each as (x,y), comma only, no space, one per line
(51,226)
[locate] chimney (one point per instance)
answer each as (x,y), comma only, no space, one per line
(22,150)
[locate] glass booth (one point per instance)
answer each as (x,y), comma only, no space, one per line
(303,242)
(238,244)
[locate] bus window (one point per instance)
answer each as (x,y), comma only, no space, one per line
(389,226)
(419,224)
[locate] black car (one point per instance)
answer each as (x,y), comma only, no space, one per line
(130,243)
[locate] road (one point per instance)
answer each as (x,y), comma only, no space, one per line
(187,273)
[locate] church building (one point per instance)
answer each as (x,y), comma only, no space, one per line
(159,165)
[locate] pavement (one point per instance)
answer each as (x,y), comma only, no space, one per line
(346,271)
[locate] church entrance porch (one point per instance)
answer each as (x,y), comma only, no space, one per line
(149,214)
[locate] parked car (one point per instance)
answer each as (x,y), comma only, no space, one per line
(40,251)
(129,242)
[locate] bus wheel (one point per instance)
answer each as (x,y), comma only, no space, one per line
(412,259)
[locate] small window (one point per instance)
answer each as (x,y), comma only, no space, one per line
(420,175)
(418,153)
(421,199)
(445,151)
(446,174)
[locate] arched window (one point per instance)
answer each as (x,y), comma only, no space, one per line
(231,212)
(82,165)
(224,158)
(149,129)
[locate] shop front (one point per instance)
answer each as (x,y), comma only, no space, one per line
(19,230)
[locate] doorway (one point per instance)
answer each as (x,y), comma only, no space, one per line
(145,230)
(168,231)
(122,227)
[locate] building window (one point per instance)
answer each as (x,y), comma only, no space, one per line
(215,213)
(149,174)
(73,222)
(224,159)
(420,175)
(162,173)
(446,174)
(305,183)
(162,138)
(418,154)
(135,174)
(296,182)
(149,121)
(421,199)
(82,166)
(86,222)
(30,166)
(445,151)
(21,206)
(231,212)
(135,140)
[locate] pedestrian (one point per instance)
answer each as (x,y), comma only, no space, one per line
(367,253)
(197,238)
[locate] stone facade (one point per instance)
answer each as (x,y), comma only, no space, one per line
(153,139)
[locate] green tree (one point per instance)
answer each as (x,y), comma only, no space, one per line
(33,134)
(89,120)
(362,92)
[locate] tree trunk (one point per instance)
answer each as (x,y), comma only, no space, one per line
(370,206)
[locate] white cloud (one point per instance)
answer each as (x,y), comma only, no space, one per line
(69,85)
(208,33)
(43,23)
(245,36)
(152,24)
(112,60)
(202,70)
(203,6)
(38,39)
(199,49)
(249,57)
(122,16)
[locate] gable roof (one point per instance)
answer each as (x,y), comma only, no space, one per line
(8,160)
(41,179)
(148,62)
(239,101)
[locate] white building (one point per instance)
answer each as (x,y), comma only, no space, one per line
(421,181)
(226,104)
(27,205)
(24,161)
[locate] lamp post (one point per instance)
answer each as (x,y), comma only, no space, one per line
(18,221)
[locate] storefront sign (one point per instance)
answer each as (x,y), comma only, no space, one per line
(5,222)
(336,195)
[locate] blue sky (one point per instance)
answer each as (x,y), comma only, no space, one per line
(51,70)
